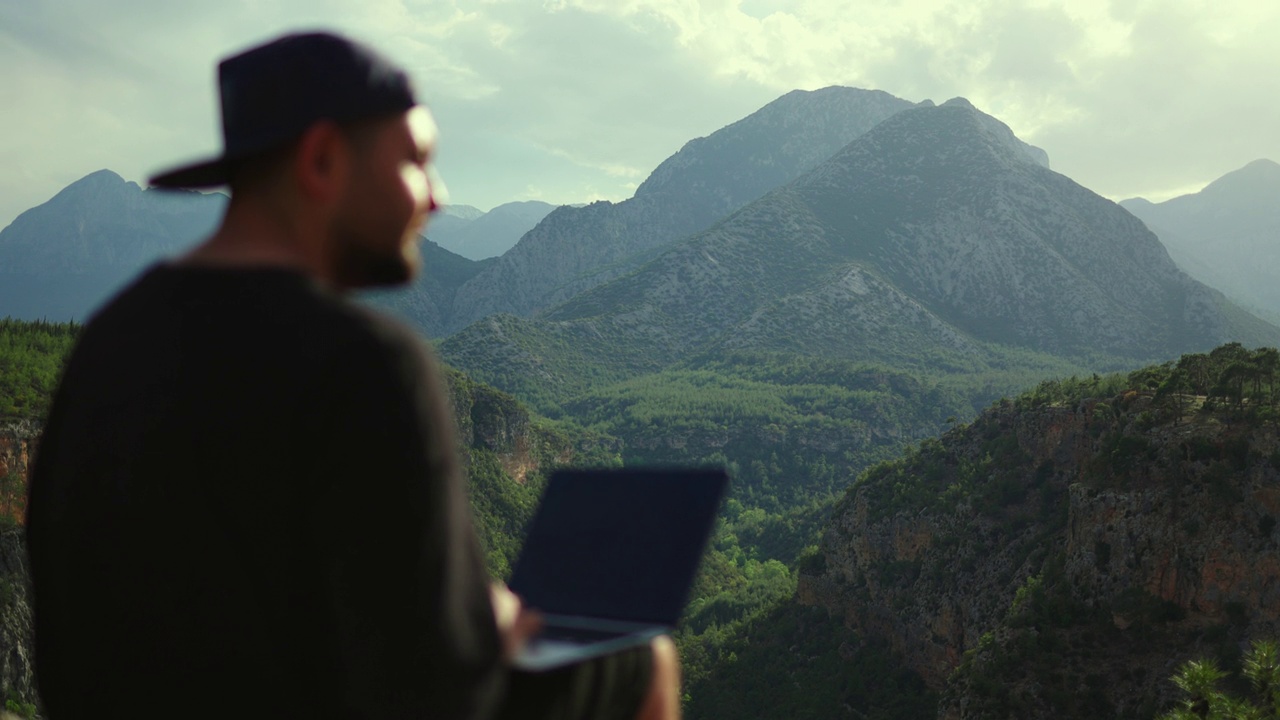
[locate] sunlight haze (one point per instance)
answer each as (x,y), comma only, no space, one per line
(570,101)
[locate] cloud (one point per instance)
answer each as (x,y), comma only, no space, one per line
(1181,104)
(574,96)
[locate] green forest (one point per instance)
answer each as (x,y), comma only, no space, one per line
(31,357)
(799,436)
(792,431)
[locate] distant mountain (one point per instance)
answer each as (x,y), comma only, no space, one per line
(452,219)
(933,241)
(1227,235)
(60,260)
(573,249)
(464,213)
(477,235)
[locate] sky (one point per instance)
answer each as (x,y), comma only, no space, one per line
(570,101)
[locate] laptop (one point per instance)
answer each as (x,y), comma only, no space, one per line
(610,557)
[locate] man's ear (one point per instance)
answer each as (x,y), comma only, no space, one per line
(322,163)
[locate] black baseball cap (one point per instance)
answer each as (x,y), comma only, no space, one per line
(271,93)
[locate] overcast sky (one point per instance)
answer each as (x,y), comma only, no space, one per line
(575,100)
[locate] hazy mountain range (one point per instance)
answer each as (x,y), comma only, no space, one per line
(63,258)
(840,222)
(477,235)
(1227,235)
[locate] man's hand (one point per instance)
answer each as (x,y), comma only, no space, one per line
(516,623)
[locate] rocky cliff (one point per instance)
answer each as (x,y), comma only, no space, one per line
(493,421)
(17,671)
(1058,558)
(17,444)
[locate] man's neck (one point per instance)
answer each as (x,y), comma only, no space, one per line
(252,236)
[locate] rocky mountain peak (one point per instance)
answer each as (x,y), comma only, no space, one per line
(923,147)
(574,249)
(60,259)
(812,124)
(103,177)
(103,220)
(87,196)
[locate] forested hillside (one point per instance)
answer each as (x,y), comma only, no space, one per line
(1058,557)
(31,356)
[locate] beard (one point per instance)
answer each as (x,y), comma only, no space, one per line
(364,264)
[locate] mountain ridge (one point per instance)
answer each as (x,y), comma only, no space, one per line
(838,212)
(573,249)
(62,258)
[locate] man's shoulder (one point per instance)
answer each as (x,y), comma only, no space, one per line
(258,313)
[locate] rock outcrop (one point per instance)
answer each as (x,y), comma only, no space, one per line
(1060,560)
(17,660)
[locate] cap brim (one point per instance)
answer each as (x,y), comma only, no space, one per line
(210,173)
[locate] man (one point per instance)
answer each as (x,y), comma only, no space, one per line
(247,500)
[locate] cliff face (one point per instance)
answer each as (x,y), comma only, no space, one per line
(1061,560)
(494,421)
(17,671)
(17,659)
(17,444)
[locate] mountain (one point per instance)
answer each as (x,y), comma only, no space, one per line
(61,259)
(934,241)
(460,213)
(1064,553)
(1227,235)
(481,235)
(452,219)
(575,248)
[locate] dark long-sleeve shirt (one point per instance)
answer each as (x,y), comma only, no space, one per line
(247,501)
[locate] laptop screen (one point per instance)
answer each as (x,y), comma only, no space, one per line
(621,544)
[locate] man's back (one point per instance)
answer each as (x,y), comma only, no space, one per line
(253,495)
